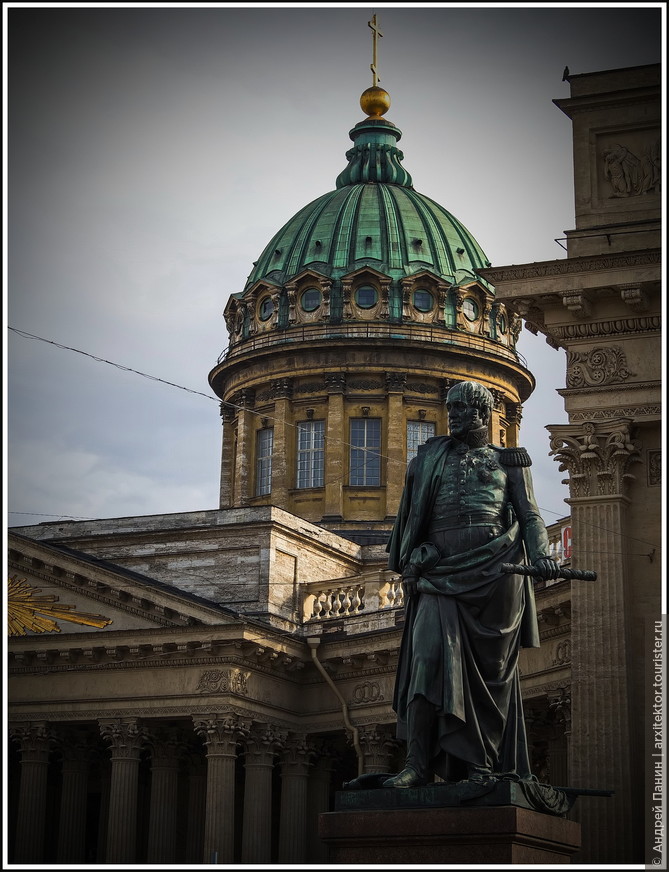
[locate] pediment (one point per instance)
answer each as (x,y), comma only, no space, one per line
(55,590)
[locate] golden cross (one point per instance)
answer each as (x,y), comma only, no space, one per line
(376,33)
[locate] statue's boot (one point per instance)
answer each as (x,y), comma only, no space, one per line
(420,727)
(480,774)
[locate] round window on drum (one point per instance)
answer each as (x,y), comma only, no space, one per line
(311,299)
(366,296)
(423,300)
(266,309)
(471,309)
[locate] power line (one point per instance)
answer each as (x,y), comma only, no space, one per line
(326,438)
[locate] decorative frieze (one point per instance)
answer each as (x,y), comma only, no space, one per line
(597,367)
(633,412)
(369,384)
(597,456)
(223,681)
(421,388)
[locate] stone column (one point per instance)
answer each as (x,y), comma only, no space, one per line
(283,458)
(197,798)
(166,747)
(378,748)
(514,414)
(75,747)
(318,801)
(262,745)
(295,763)
(126,738)
(244,473)
(335,447)
(221,735)
(34,739)
(227,456)
(395,440)
(598,457)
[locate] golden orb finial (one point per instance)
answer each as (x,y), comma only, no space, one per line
(375,102)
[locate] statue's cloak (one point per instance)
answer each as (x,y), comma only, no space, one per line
(477,616)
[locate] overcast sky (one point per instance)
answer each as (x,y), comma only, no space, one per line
(154,152)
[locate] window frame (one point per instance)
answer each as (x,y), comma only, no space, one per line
(310,459)
(263,465)
(365,457)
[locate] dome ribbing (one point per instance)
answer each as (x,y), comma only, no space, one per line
(373,218)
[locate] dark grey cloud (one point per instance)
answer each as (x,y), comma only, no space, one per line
(153,152)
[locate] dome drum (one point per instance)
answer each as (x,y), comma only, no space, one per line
(364,298)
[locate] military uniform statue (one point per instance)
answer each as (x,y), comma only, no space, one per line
(468,507)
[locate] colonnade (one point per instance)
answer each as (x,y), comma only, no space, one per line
(218,789)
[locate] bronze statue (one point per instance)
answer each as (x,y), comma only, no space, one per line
(468,507)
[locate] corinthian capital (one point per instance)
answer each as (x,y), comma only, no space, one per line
(596,455)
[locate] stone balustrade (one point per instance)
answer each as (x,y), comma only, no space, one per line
(341,597)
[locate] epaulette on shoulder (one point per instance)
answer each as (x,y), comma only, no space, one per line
(515,457)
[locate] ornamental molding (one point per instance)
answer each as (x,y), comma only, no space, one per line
(421,388)
(616,327)
(569,266)
(607,414)
(545,689)
(367,692)
(364,385)
(310,388)
(597,367)
(41,659)
(597,456)
(654,465)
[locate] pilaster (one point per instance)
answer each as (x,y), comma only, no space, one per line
(227,456)
(335,445)
(601,755)
(243,463)
(282,457)
(396,440)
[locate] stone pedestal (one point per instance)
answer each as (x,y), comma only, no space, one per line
(463,836)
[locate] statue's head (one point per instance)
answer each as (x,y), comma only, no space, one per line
(469,406)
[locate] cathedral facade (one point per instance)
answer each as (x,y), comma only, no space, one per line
(193,687)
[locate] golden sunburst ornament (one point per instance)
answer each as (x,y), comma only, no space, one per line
(27,612)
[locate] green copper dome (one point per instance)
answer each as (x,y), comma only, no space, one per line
(373,218)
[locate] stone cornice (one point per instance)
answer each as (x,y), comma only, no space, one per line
(571,265)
